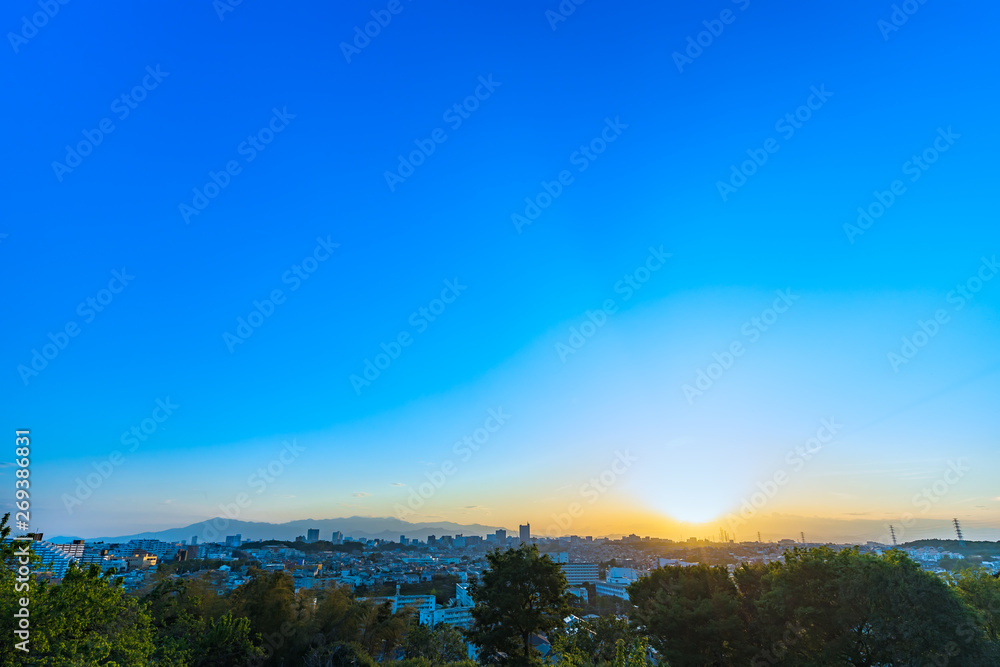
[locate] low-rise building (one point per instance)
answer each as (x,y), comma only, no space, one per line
(580,573)
(610,589)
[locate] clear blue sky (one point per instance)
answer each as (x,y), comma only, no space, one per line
(677,127)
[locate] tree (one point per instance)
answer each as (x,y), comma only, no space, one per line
(268,600)
(634,655)
(849,608)
(227,641)
(981,590)
(340,654)
(9,596)
(521,593)
(691,615)
(380,630)
(440,645)
(335,617)
(88,619)
(819,607)
(595,641)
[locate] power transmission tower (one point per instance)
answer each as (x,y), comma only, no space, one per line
(958,531)
(892,531)
(758,537)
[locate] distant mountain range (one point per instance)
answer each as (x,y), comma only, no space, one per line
(216,530)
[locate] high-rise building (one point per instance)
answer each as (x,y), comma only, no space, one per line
(234,540)
(525,532)
(194,539)
(338,537)
(312,535)
(402,540)
(501,536)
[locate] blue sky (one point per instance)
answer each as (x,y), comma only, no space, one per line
(553,87)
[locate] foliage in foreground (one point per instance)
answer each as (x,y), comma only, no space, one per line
(820,607)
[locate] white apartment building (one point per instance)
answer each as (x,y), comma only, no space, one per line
(580,573)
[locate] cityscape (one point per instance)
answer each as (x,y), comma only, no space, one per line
(432,577)
(558,333)
(340,560)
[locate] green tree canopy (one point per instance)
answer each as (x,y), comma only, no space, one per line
(821,607)
(521,593)
(442,644)
(981,590)
(691,615)
(849,608)
(87,619)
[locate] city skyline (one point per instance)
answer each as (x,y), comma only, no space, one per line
(583,274)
